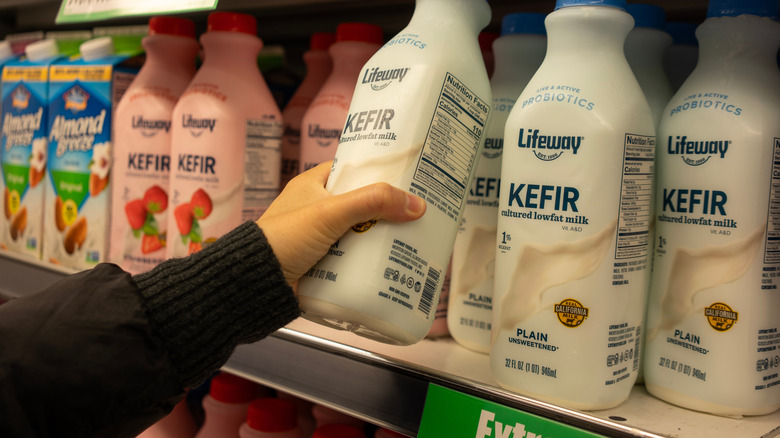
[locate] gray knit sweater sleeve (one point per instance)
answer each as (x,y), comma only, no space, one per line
(232,292)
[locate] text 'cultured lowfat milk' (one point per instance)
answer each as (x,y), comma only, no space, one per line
(713,324)
(518,53)
(417,118)
(576,185)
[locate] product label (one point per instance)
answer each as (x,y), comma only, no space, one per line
(772,246)
(707,101)
(407,39)
(262,171)
(636,196)
(558,94)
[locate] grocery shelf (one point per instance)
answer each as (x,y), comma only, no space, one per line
(387,385)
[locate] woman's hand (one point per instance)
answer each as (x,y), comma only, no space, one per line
(305,220)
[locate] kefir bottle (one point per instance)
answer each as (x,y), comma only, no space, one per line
(416,121)
(713,331)
(576,186)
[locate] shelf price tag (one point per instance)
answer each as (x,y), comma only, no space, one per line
(454,414)
(77,11)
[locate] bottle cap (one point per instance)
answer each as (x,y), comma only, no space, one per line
(272,415)
(41,50)
(523,23)
(368,33)
(321,40)
(486,40)
(621,4)
(229,388)
(5,51)
(335,430)
(682,33)
(647,15)
(734,8)
(232,22)
(172,26)
(97,48)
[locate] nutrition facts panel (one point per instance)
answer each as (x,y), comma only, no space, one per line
(451,146)
(635,197)
(772,249)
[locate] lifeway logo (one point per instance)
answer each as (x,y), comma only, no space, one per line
(493,147)
(324,137)
(76,99)
(696,152)
(548,147)
(197,127)
(380,79)
(150,127)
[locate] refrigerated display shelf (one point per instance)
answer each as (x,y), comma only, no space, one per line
(387,385)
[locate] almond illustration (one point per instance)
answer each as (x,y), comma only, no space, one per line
(58,219)
(76,235)
(35,176)
(19,224)
(97,184)
(7,203)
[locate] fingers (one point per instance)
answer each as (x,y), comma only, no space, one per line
(373,202)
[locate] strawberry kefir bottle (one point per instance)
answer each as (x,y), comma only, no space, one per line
(142,147)
(227,133)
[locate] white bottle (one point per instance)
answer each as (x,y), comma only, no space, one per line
(518,53)
(680,59)
(576,185)
(713,331)
(416,121)
(271,417)
(645,48)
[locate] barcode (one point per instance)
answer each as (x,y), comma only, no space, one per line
(637,344)
(429,291)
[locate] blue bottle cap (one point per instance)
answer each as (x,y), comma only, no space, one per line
(613,3)
(523,22)
(734,8)
(683,33)
(646,15)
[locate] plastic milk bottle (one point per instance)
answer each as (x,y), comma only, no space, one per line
(82,96)
(227,130)
(518,53)
(576,186)
(142,145)
(417,119)
(713,331)
(323,120)
(318,67)
(681,58)
(270,417)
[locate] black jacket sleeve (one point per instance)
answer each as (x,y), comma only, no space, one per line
(104,354)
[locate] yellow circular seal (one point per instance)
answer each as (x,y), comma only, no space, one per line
(571,312)
(720,316)
(363,226)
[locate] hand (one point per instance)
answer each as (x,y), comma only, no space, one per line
(305,220)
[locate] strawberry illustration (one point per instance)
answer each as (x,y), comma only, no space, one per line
(184,218)
(151,244)
(201,204)
(135,211)
(155,199)
(194,247)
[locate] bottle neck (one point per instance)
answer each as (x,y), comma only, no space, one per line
(738,44)
(350,56)
(472,15)
(318,65)
(518,52)
(587,31)
(171,54)
(231,50)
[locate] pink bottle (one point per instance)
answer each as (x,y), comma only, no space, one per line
(318,67)
(324,120)
(336,430)
(142,145)
(270,418)
(227,134)
(226,405)
(178,424)
(303,407)
(486,46)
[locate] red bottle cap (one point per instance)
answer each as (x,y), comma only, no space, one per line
(272,415)
(486,40)
(228,388)
(172,26)
(365,32)
(232,22)
(321,40)
(335,430)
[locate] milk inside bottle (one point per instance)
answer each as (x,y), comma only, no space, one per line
(83,93)
(226,139)
(713,331)
(518,53)
(576,186)
(416,121)
(142,145)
